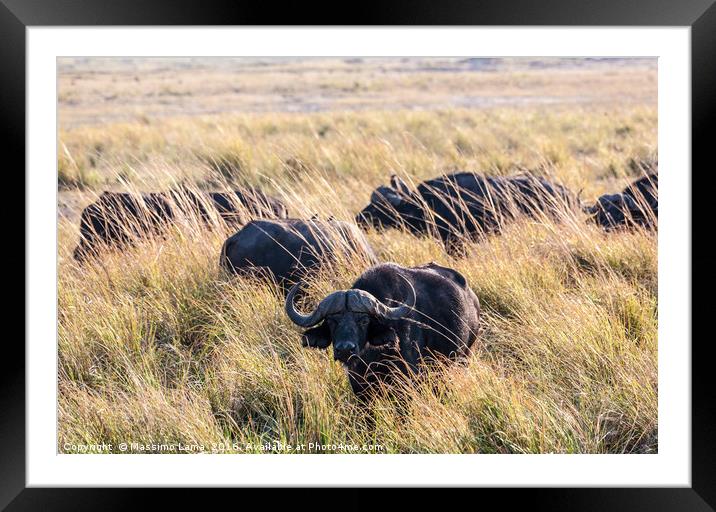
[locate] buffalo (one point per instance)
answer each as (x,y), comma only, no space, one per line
(117,219)
(636,205)
(463,206)
(391,320)
(285,250)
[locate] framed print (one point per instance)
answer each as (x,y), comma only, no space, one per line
(424,250)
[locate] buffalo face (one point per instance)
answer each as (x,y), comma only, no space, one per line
(349,334)
(612,210)
(349,319)
(387,204)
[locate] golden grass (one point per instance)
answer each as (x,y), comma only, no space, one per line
(157,345)
(586,147)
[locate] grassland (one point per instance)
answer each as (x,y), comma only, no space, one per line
(157,345)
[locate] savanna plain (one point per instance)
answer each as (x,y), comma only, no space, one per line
(157,345)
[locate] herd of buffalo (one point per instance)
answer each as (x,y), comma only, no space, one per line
(392,318)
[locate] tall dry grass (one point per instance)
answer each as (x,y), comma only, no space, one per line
(158,345)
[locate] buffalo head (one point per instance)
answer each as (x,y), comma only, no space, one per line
(351,319)
(612,210)
(388,205)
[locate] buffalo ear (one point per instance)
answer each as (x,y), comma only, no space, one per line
(316,337)
(398,184)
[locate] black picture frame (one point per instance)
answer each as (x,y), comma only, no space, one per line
(700,15)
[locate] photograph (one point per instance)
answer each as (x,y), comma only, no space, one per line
(357,255)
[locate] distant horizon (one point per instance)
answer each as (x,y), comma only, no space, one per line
(482,61)
(125,89)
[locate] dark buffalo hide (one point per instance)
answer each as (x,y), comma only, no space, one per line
(117,219)
(285,250)
(636,205)
(464,206)
(392,319)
